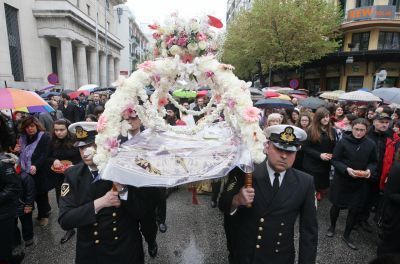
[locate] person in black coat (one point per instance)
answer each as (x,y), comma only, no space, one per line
(264,232)
(96,102)
(354,159)
(34,142)
(61,150)
(390,221)
(106,214)
(69,110)
(10,190)
(318,151)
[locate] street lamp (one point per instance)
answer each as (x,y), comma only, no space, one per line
(380,76)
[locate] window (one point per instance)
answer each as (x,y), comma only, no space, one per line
(108,4)
(312,85)
(388,82)
(389,40)
(360,41)
(395,3)
(53,54)
(108,26)
(354,83)
(77,3)
(88,10)
(362,3)
(333,83)
(14,44)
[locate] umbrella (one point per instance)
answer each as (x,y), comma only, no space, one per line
(48,94)
(312,102)
(270,94)
(47,87)
(87,87)
(181,93)
(359,96)
(202,88)
(331,95)
(284,89)
(273,103)
(389,95)
(299,96)
(202,93)
(75,94)
(24,101)
(255,91)
(284,97)
(290,92)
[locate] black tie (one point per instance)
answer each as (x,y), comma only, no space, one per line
(95,175)
(275,185)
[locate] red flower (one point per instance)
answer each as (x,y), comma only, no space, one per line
(154,26)
(187,58)
(162,102)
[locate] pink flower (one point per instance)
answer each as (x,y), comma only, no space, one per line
(187,58)
(162,102)
(156,78)
(101,123)
(112,145)
(156,36)
(146,66)
(170,40)
(182,41)
(129,111)
(209,74)
(231,103)
(218,98)
(201,36)
(252,114)
(155,52)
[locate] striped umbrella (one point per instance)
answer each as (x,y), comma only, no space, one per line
(24,101)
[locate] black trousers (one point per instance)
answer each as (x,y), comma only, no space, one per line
(43,205)
(161,207)
(7,235)
(27,228)
(216,187)
(148,227)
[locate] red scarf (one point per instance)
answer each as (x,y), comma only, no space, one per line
(388,160)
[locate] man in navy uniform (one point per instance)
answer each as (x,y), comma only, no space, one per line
(106,219)
(264,232)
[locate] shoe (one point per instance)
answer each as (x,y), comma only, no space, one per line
(330,232)
(350,243)
(213,204)
(43,222)
(152,249)
(366,226)
(67,236)
(162,227)
(318,196)
(29,242)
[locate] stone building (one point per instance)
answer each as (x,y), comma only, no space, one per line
(132,37)
(40,37)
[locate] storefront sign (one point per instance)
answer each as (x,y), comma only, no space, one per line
(371,12)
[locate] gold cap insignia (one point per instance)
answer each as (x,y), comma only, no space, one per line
(287,136)
(80,133)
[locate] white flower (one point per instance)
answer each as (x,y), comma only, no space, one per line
(175,50)
(202,45)
(192,47)
(194,26)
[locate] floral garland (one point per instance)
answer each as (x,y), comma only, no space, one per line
(230,95)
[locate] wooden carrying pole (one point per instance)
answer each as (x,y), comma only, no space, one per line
(248,183)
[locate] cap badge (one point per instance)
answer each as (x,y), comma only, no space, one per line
(287,136)
(80,133)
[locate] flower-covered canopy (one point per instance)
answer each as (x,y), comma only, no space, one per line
(186,50)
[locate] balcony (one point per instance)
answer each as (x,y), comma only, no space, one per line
(371,16)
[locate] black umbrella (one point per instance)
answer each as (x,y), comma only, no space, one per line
(312,102)
(273,103)
(48,94)
(203,88)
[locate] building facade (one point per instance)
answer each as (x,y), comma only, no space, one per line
(58,36)
(235,6)
(132,37)
(371,42)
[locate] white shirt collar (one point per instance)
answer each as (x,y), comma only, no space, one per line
(271,175)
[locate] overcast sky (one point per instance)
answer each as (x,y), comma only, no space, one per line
(148,11)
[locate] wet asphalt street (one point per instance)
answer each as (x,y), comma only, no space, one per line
(195,236)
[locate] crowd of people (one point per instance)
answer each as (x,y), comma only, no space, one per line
(350,150)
